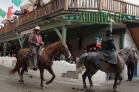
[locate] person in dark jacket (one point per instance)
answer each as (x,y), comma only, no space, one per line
(38,3)
(110,41)
(108,49)
(130,68)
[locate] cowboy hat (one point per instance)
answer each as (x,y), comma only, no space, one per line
(108,32)
(37,28)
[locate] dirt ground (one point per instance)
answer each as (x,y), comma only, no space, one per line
(11,84)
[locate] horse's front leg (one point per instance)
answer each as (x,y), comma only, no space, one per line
(120,79)
(22,72)
(115,82)
(84,78)
(41,75)
(50,70)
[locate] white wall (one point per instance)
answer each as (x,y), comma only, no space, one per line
(116,41)
(58,67)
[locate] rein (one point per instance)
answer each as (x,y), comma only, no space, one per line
(126,56)
(48,54)
(45,59)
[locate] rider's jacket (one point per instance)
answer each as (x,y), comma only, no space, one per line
(108,44)
(33,39)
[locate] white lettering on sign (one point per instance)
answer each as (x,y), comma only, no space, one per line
(27,31)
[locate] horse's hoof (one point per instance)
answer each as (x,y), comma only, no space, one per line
(20,81)
(116,90)
(87,90)
(91,87)
(118,84)
(91,90)
(43,88)
(47,83)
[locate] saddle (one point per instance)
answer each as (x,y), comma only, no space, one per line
(27,54)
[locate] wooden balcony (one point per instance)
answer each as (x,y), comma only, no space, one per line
(74,5)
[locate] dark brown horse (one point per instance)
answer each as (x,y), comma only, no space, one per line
(44,60)
(92,64)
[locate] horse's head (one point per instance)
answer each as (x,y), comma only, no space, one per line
(133,53)
(128,51)
(64,49)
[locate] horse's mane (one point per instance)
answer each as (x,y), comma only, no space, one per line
(124,50)
(51,44)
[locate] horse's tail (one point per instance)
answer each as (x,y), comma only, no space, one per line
(15,69)
(80,63)
(12,71)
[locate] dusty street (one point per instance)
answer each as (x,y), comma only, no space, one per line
(11,84)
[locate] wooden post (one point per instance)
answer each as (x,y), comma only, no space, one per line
(21,42)
(58,33)
(6,29)
(66,4)
(35,14)
(100,6)
(17,23)
(64,34)
(4,48)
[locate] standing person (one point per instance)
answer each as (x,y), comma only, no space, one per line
(35,40)
(85,51)
(38,3)
(130,68)
(16,49)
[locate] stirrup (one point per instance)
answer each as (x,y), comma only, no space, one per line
(34,69)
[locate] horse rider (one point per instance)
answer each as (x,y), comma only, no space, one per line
(110,40)
(109,48)
(35,41)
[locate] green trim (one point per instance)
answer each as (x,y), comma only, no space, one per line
(11,38)
(54,25)
(58,33)
(121,40)
(64,33)
(21,42)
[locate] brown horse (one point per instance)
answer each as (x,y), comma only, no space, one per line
(93,63)
(44,60)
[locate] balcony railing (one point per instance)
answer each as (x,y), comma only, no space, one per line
(2,31)
(75,5)
(49,8)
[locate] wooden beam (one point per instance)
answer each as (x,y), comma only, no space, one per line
(58,33)
(100,6)
(66,4)
(54,25)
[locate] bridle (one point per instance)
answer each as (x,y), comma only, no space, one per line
(124,55)
(129,52)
